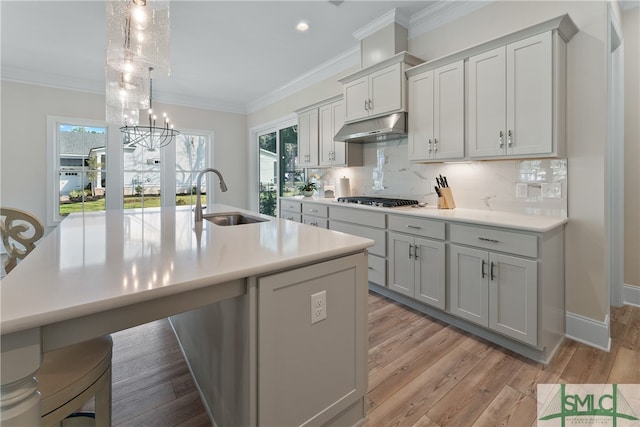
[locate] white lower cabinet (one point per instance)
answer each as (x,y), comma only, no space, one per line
(417,268)
(291,210)
(496,291)
(315,214)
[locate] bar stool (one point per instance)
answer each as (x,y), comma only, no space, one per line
(69,376)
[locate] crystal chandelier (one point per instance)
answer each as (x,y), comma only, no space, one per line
(154,135)
(138,36)
(137,45)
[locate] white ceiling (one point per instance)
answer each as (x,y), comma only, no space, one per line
(224,54)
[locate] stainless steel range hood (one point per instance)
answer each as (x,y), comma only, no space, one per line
(379,129)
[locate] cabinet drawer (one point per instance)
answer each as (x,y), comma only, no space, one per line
(497,240)
(377,270)
(315,221)
(290,206)
(315,210)
(358,216)
(417,226)
(380,248)
(291,216)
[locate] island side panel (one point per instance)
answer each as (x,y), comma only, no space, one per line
(214,340)
(313,373)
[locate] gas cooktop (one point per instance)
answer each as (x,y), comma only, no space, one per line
(377,201)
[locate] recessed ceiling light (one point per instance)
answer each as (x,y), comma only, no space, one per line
(302,26)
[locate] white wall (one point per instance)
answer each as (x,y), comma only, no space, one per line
(24,111)
(631,33)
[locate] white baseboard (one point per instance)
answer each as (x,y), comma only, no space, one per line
(631,295)
(588,331)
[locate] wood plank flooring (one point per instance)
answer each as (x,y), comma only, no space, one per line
(422,372)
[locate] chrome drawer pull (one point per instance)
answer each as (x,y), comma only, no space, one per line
(484,239)
(410,254)
(482,269)
(493,277)
(414,227)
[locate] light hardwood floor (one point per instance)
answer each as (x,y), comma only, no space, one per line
(422,372)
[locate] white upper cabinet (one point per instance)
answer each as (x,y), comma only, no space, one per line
(436,117)
(505,98)
(510,103)
(308,138)
(377,90)
(376,94)
(336,153)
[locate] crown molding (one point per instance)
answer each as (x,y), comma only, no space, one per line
(388,18)
(55,81)
(441,13)
(330,68)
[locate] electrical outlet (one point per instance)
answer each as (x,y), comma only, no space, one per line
(551,190)
(522,190)
(318,307)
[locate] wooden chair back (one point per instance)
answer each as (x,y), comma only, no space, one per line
(20,230)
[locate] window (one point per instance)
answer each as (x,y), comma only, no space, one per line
(80,168)
(191,157)
(278,173)
(79,152)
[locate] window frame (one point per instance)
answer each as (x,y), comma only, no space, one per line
(114,155)
(254,157)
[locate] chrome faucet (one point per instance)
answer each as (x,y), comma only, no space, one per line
(223,187)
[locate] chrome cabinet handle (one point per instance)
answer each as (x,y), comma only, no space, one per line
(501,139)
(482,269)
(492,275)
(415,227)
(415,251)
(484,239)
(430,148)
(366,108)
(370,268)
(410,254)
(435,145)
(509,138)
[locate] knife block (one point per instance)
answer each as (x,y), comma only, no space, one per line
(446,201)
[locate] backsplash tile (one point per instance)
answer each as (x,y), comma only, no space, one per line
(488,185)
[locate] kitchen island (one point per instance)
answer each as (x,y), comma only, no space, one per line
(251,290)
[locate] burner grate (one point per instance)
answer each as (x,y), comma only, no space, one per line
(378,201)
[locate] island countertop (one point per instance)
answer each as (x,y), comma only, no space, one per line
(104,260)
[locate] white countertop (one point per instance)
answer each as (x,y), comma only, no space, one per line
(103,260)
(536,223)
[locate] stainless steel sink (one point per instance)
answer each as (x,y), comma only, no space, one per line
(232,218)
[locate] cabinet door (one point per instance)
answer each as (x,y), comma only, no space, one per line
(339,147)
(356,97)
(513,297)
(448,111)
(421,116)
(529,96)
(385,90)
(308,138)
(487,104)
(469,281)
(430,272)
(326,135)
(401,264)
